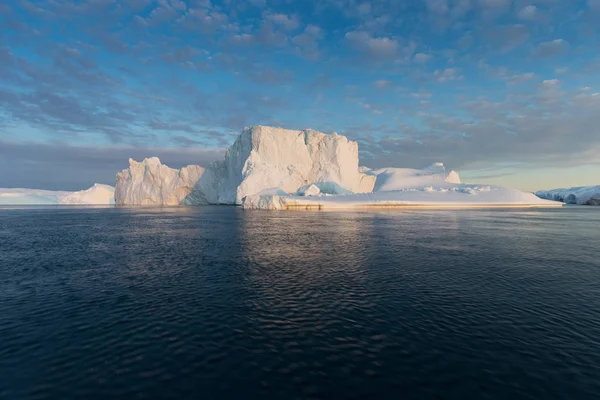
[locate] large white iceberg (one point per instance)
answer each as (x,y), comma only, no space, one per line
(264,157)
(96,195)
(275,168)
(151,183)
(260,158)
(586,195)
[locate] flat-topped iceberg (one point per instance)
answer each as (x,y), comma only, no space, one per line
(264,157)
(95,195)
(585,195)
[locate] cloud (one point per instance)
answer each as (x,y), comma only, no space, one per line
(422,58)
(189,73)
(520,79)
(379,48)
(65,167)
(289,23)
(307,42)
(519,128)
(528,13)
(439,7)
(448,75)
(551,83)
(552,48)
(382,83)
(506,38)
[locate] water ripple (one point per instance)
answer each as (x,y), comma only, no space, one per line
(218,302)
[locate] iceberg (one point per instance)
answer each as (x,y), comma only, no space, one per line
(441,195)
(583,195)
(264,157)
(151,183)
(260,158)
(276,168)
(96,195)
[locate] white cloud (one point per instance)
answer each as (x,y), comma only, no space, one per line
(561,70)
(439,7)
(382,83)
(379,47)
(448,74)
(422,58)
(528,13)
(287,22)
(551,83)
(520,79)
(552,48)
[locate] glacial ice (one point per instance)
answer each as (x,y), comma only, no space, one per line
(260,158)
(443,195)
(389,179)
(95,195)
(275,168)
(584,195)
(151,183)
(264,157)
(309,190)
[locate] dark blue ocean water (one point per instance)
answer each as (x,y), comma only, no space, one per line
(217,302)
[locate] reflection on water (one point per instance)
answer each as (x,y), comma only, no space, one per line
(219,302)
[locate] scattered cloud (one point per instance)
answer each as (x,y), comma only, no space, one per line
(383,83)
(448,75)
(422,58)
(380,48)
(179,73)
(528,13)
(552,48)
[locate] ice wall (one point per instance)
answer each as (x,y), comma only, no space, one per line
(264,157)
(151,183)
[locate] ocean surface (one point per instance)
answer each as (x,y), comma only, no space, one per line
(218,302)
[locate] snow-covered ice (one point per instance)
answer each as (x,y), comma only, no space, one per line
(96,195)
(442,195)
(586,195)
(405,178)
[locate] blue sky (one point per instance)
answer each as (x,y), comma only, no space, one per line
(504,91)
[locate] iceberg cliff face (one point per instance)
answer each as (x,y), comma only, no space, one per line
(151,183)
(584,195)
(264,157)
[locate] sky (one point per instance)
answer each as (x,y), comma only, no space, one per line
(503,91)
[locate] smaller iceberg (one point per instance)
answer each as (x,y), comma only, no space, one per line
(583,195)
(96,195)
